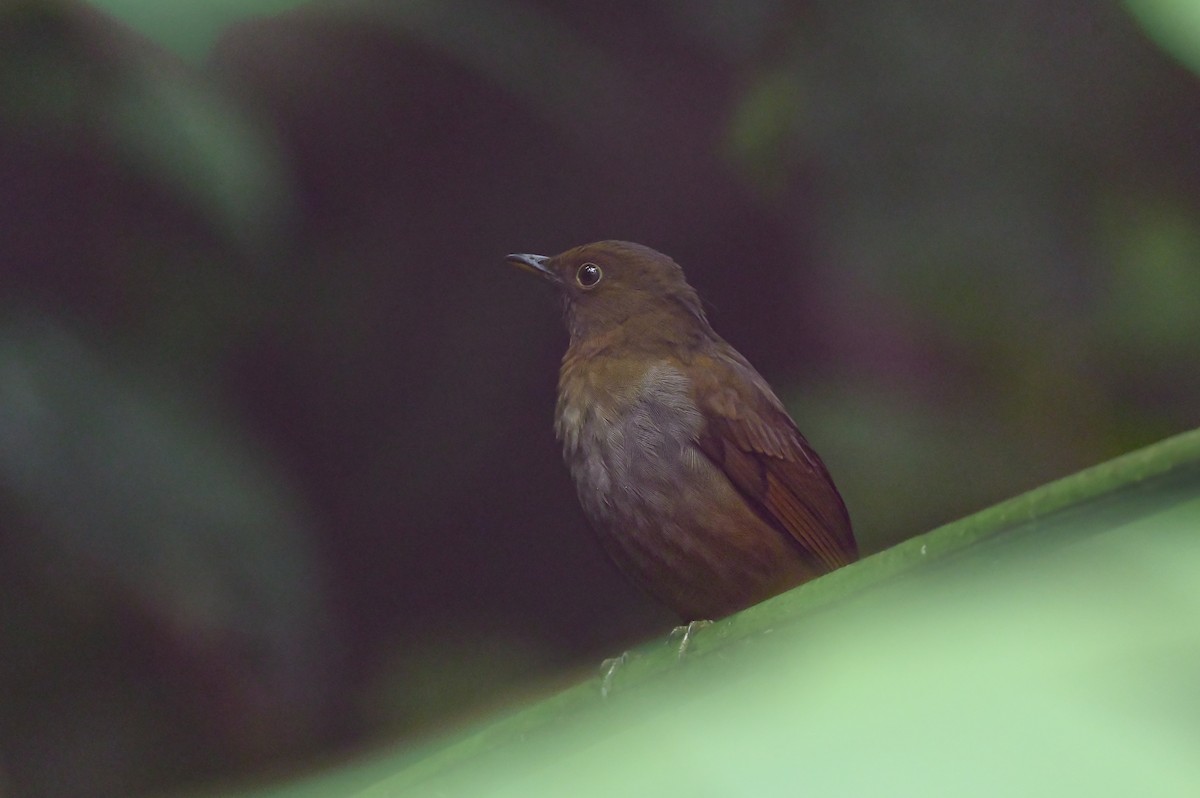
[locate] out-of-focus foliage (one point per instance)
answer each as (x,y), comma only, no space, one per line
(277,440)
(965,162)
(1174,24)
(159,121)
(1152,289)
(189,27)
(132,516)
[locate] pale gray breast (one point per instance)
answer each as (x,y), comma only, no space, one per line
(629,456)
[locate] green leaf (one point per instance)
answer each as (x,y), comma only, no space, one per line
(189,27)
(1045,646)
(64,85)
(1173,24)
(127,485)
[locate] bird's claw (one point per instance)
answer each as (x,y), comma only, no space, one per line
(684,635)
(608,672)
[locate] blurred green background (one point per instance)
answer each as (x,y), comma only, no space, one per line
(277,474)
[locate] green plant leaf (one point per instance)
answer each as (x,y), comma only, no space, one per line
(189,27)
(1173,24)
(1045,646)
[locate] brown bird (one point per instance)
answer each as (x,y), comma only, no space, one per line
(695,478)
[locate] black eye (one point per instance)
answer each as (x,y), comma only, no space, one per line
(588,275)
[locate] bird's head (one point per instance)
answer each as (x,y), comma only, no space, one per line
(610,286)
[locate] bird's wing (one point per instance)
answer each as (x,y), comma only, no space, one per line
(751,438)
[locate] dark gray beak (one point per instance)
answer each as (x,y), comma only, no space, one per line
(534,264)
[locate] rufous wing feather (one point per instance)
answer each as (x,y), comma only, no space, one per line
(751,438)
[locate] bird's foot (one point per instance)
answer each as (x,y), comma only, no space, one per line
(684,635)
(608,672)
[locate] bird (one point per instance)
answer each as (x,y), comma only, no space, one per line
(693,476)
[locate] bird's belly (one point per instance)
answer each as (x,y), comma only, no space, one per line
(668,517)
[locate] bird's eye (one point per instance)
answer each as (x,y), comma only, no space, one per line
(588,275)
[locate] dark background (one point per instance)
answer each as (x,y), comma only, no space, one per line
(277,473)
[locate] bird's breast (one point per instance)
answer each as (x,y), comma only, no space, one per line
(628,433)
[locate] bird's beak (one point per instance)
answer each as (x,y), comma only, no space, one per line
(534,264)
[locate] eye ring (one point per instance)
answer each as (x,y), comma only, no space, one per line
(588,275)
